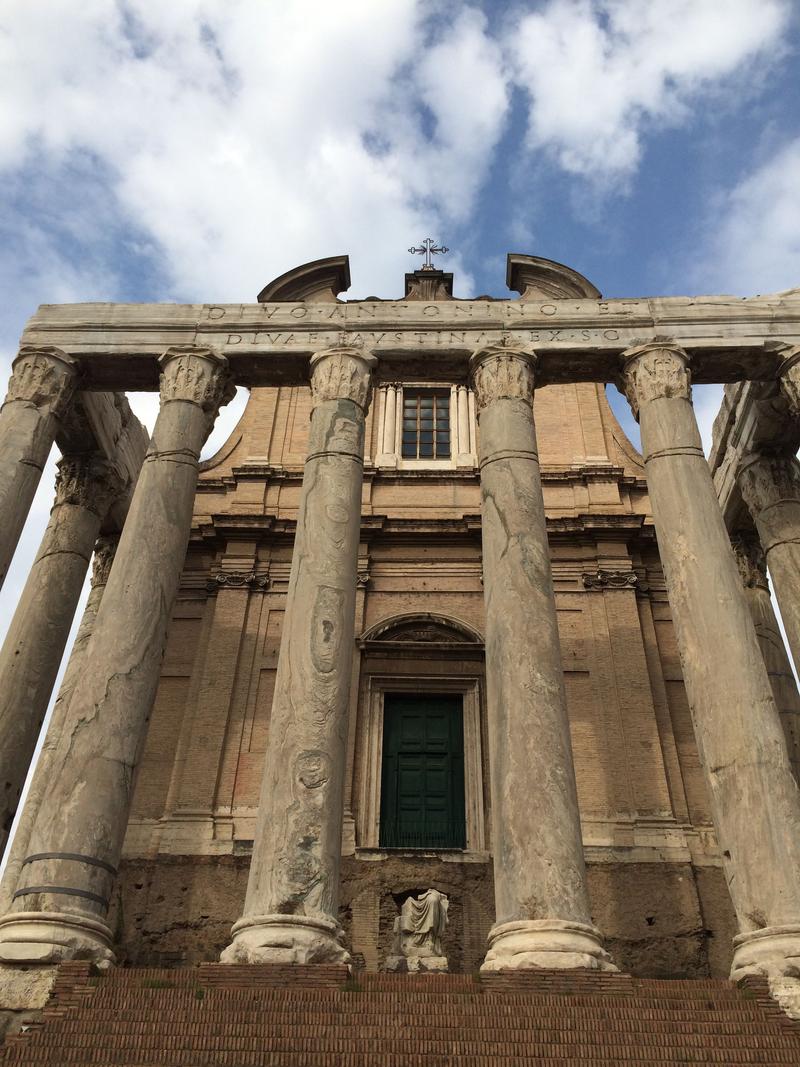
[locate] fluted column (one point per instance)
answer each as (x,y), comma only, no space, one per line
(542,906)
(291,909)
(752,566)
(770,487)
(32,651)
(41,386)
(754,797)
(61,902)
(104,551)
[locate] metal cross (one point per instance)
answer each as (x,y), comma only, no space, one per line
(427,249)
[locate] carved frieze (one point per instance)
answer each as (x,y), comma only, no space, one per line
(765,480)
(503,371)
(343,373)
(609,580)
(750,560)
(257,583)
(44,376)
(196,374)
(654,371)
(88,481)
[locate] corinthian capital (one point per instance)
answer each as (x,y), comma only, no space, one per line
(104,551)
(44,376)
(502,371)
(88,481)
(766,480)
(750,560)
(790,377)
(653,371)
(196,374)
(343,372)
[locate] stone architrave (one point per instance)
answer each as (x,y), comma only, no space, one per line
(754,797)
(290,913)
(41,386)
(770,487)
(753,570)
(104,551)
(60,904)
(542,907)
(86,486)
(418,933)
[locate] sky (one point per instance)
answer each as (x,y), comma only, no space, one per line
(195,149)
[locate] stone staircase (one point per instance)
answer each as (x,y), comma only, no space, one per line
(321,1017)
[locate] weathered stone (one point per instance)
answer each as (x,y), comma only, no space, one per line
(543,917)
(754,796)
(31,654)
(418,933)
(291,910)
(65,883)
(41,385)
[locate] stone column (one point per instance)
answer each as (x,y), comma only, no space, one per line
(754,797)
(31,654)
(290,913)
(41,386)
(752,566)
(61,902)
(103,556)
(462,436)
(770,487)
(543,917)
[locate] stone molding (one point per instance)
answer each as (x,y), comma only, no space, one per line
(789,377)
(89,482)
(104,551)
(609,580)
(750,560)
(44,376)
(343,373)
(197,374)
(766,480)
(504,371)
(655,370)
(256,583)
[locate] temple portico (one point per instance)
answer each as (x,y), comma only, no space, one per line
(458,383)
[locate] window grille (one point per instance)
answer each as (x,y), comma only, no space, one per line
(426,424)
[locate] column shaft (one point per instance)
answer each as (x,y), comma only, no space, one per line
(754,797)
(31,654)
(463,422)
(104,555)
(389,423)
(290,913)
(543,915)
(61,902)
(41,386)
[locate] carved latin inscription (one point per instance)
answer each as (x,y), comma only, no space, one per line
(654,371)
(43,376)
(342,373)
(503,371)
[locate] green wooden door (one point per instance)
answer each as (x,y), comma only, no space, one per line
(422,789)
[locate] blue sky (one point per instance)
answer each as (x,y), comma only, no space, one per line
(195,149)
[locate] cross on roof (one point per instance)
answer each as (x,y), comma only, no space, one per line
(428,248)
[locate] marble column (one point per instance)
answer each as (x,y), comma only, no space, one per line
(770,487)
(60,904)
(291,908)
(103,556)
(752,566)
(754,797)
(462,435)
(41,386)
(31,654)
(542,906)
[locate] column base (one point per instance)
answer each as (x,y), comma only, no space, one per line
(773,952)
(531,944)
(53,936)
(285,939)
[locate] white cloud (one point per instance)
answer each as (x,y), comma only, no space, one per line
(599,73)
(752,238)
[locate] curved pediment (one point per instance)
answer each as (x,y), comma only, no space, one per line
(319,281)
(423,628)
(536,278)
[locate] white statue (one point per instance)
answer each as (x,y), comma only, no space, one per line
(418,932)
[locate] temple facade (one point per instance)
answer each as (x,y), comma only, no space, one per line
(427,622)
